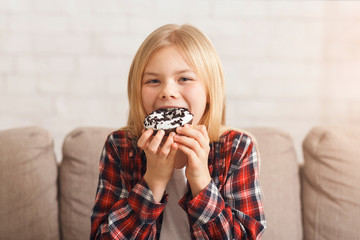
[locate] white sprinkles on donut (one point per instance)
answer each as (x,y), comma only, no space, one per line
(168,118)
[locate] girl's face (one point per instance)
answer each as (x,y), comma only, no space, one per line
(168,81)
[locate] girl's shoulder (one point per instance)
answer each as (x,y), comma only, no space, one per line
(123,132)
(122,137)
(232,134)
(240,142)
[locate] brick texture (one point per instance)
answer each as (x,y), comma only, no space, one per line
(288,64)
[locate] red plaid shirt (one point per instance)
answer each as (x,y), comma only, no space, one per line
(230,207)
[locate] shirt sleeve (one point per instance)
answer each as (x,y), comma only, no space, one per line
(237,211)
(119,213)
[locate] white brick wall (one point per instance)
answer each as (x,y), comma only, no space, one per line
(49,65)
(288,64)
(6,64)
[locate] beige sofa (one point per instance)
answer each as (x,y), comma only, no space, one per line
(40,199)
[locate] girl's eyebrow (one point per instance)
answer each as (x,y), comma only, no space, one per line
(151,73)
(177,72)
(184,71)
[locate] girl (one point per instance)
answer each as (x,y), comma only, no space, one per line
(201,182)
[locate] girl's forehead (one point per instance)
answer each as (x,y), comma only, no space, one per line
(170,58)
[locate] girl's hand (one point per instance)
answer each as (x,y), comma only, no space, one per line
(194,142)
(160,161)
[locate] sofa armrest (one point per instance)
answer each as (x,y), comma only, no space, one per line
(28,189)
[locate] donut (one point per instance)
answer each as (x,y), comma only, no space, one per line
(168,119)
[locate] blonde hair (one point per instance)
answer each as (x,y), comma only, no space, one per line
(200,54)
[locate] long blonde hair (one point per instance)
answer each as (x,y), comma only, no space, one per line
(200,54)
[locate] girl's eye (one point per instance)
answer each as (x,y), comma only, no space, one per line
(184,79)
(152,81)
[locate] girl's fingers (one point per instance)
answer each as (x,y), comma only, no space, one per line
(198,133)
(156,141)
(191,148)
(188,141)
(165,149)
(143,140)
(203,130)
(188,152)
(173,149)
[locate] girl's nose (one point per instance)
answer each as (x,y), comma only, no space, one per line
(169,91)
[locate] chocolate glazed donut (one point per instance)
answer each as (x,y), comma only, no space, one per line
(167,119)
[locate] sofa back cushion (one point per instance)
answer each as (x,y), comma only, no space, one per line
(331,183)
(79,173)
(280,182)
(28,189)
(279,178)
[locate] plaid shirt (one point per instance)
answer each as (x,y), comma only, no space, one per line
(230,207)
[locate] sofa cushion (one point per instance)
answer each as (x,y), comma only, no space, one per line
(28,189)
(331,183)
(280,182)
(79,173)
(279,178)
